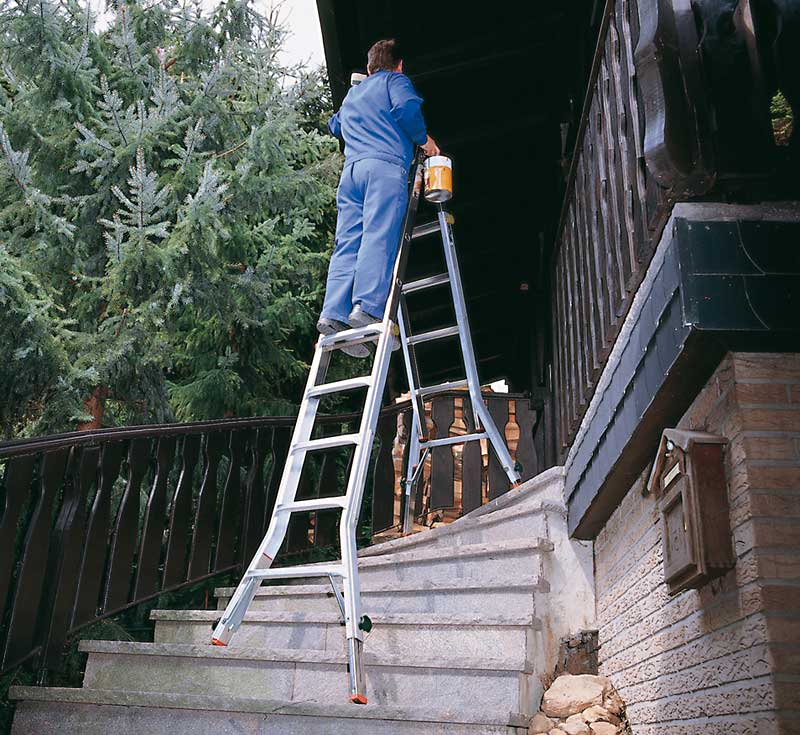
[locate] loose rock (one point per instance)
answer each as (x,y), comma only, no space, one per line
(603,728)
(539,724)
(613,702)
(595,713)
(570,694)
(575,728)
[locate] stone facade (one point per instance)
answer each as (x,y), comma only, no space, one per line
(724,658)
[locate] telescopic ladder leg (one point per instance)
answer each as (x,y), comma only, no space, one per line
(353,619)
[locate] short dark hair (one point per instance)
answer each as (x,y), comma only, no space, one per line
(383,55)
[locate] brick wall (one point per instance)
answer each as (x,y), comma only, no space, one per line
(725,658)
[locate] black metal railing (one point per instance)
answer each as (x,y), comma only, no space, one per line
(96,522)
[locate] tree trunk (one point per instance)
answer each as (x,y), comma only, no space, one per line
(94,405)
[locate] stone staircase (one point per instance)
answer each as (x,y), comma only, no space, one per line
(467,619)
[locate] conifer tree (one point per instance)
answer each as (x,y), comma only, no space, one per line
(166,210)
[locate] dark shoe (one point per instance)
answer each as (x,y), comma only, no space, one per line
(360,318)
(332,326)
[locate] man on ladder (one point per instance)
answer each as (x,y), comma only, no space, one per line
(380,122)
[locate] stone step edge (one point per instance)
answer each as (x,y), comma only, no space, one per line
(535,545)
(303,656)
(462,525)
(209,703)
(512,497)
(324,618)
(531,584)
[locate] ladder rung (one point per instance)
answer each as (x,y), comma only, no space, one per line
(435,334)
(350,337)
(428,228)
(326,442)
(429,282)
(442,387)
(298,506)
(340,386)
(453,440)
(317,570)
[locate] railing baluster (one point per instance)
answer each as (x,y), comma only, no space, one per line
(126,529)
(69,540)
(17,484)
(27,608)
(526,451)
(255,494)
(383,479)
(97,532)
(206,514)
(147,569)
(181,514)
(498,480)
(228,532)
(442,466)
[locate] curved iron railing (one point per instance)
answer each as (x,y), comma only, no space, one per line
(99,521)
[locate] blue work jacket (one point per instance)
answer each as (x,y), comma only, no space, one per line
(381,118)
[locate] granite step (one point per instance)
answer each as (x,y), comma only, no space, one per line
(494,685)
(513,596)
(518,522)
(538,496)
(399,634)
(60,711)
(477,563)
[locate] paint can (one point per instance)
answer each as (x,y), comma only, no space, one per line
(438,179)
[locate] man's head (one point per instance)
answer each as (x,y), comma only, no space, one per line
(384,55)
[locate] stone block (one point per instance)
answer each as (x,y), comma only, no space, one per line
(569,695)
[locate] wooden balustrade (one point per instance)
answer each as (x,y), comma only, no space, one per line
(96,522)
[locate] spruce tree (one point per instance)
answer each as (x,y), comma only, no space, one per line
(166,212)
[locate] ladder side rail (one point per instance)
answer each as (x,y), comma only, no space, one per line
(479,410)
(349,521)
(462,320)
(358,472)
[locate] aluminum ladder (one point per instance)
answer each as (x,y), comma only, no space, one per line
(385,332)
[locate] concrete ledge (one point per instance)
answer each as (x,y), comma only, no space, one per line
(307,656)
(257,706)
(548,484)
(531,583)
(413,619)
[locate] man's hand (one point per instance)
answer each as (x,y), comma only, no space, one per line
(430,147)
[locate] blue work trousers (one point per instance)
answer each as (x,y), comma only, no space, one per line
(371,201)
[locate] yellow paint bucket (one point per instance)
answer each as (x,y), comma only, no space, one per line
(438,179)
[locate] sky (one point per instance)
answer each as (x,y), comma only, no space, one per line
(305,38)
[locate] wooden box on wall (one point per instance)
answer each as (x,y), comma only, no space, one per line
(688,481)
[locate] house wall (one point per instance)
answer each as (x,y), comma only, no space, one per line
(725,658)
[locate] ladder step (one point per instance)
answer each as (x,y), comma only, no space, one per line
(350,337)
(442,387)
(453,440)
(428,228)
(326,442)
(298,506)
(316,570)
(435,334)
(340,386)
(429,282)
